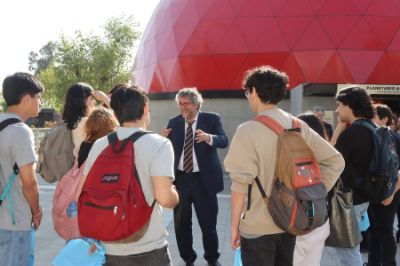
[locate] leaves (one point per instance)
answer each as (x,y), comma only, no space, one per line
(100,60)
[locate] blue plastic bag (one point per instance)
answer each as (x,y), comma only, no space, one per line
(76,252)
(363,223)
(238,258)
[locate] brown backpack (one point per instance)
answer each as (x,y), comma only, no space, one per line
(297,203)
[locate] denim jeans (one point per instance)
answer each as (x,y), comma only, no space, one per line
(15,247)
(352,256)
(157,257)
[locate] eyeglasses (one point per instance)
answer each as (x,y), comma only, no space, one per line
(184,103)
(247,92)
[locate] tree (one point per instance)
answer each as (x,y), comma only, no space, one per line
(100,60)
(47,53)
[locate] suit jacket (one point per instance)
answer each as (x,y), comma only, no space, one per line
(207,157)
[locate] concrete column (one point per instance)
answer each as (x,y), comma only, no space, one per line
(296,100)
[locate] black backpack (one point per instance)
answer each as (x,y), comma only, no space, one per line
(381,178)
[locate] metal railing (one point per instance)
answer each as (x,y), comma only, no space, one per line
(39,134)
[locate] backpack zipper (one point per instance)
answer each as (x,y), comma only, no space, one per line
(114,208)
(303,163)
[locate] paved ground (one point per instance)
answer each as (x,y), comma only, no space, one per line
(48,244)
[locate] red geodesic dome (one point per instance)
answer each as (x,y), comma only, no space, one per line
(211,43)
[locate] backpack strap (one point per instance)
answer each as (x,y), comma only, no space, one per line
(8,122)
(365,123)
(7,193)
(113,139)
(135,136)
(7,190)
(277,127)
(270,123)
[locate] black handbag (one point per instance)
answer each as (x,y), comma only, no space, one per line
(344,232)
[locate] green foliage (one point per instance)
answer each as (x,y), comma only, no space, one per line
(47,53)
(100,60)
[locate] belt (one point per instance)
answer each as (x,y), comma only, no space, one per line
(184,173)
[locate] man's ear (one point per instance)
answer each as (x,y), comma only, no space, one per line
(25,99)
(146,108)
(385,120)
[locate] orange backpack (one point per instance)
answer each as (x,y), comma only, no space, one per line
(297,203)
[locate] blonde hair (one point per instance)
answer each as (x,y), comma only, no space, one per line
(100,122)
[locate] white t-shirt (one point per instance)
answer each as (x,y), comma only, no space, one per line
(154,157)
(79,135)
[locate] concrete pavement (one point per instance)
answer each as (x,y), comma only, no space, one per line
(48,244)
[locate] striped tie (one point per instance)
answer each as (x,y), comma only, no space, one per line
(188,149)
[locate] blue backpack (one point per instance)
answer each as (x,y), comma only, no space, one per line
(381,178)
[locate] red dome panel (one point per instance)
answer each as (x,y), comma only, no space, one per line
(338,27)
(335,70)
(211,43)
(312,63)
(343,7)
(361,63)
(395,44)
(384,71)
(314,38)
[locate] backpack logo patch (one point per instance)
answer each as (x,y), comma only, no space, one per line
(110,178)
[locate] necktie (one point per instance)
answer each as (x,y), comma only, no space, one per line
(188,149)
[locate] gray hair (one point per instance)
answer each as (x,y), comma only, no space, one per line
(190,93)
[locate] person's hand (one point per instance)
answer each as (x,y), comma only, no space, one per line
(165,132)
(202,136)
(388,200)
(92,249)
(101,96)
(37,218)
(235,238)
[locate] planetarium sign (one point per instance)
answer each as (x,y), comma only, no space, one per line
(375,89)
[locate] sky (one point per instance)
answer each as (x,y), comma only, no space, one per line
(27,25)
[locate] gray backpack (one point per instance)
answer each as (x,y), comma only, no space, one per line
(56,153)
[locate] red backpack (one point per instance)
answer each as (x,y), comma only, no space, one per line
(112,206)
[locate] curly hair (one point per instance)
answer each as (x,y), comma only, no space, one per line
(190,93)
(358,100)
(269,83)
(100,122)
(75,104)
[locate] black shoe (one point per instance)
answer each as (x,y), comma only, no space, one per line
(215,263)
(189,264)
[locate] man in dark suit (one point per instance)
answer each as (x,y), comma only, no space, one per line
(195,136)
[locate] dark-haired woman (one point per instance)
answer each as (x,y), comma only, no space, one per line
(79,101)
(309,247)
